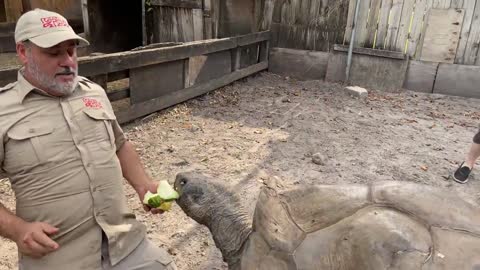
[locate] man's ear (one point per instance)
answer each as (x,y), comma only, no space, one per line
(22,52)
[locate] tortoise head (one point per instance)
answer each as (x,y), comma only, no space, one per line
(199,196)
(214,206)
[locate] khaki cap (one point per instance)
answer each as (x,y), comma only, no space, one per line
(45,29)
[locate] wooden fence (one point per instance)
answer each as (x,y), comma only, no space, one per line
(305,24)
(445,31)
(161,77)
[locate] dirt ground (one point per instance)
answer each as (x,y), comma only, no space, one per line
(268,127)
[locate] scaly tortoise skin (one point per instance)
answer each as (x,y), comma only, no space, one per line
(385,225)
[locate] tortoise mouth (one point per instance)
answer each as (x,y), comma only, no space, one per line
(180,181)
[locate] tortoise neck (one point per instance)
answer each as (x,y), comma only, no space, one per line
(230,229)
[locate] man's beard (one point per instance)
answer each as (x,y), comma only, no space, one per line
(49,83)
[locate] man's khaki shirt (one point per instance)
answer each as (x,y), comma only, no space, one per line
(60,156)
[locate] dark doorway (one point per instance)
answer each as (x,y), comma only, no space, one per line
(114,25)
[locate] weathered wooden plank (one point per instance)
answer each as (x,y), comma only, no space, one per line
(351,15)
(473,42)
(197,15)
(289,11)
(277,11)
(100,79)
(420,76)
(70,9)
(207,5)
(361,27)
(85,18)
(266,18)
(127,60)
(186,28)
(371,52)
(404,27)
(7,43)
(442,34)
(204,68)
(458,80)
(383,24)
(236,18)
(416,31)
(157,45)
(441,4)
(7,76)
(172,98)
(172,25)
(178,3)
(108,63)
(373,22)
(469,7)
(13,10)
(7,27)
(208,28)
(119,94)
(249,55)
(457,3)
(252,38)
(264,49)
(115,76)
(186,71)
(143,88)
(394,24)
(236,56)
(215,15)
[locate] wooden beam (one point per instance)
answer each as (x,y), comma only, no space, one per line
(178,3)
(253,38)
(151,106)
(372,52)
(7,27)
(108,63)
(7,76)
(7,43)
(119,94)
(128,60)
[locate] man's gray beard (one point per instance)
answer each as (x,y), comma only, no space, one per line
(48,83)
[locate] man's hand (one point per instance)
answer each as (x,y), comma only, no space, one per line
(33,239)
(152,187)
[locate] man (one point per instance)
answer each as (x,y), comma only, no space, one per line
(463,171)
(65,155)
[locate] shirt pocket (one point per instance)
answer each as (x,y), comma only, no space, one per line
(100,130)
(26,141)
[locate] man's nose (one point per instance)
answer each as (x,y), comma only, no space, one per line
(67,60)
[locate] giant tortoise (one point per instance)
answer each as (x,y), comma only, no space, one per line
(384,225)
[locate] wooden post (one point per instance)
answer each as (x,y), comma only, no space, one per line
(86,27)
(236,58)
(101,80)
(13,10)
(186,73)
(264,48)
(144,24)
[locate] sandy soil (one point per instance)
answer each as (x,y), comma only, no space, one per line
(268,128)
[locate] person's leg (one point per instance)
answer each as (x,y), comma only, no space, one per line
(472,155)
(147,256)
(463,171)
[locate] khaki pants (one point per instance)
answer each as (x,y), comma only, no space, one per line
(146,256)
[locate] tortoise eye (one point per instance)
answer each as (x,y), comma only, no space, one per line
(183,182)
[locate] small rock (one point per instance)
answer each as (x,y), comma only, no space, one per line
(286,100)
(318,159)
(357,91)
